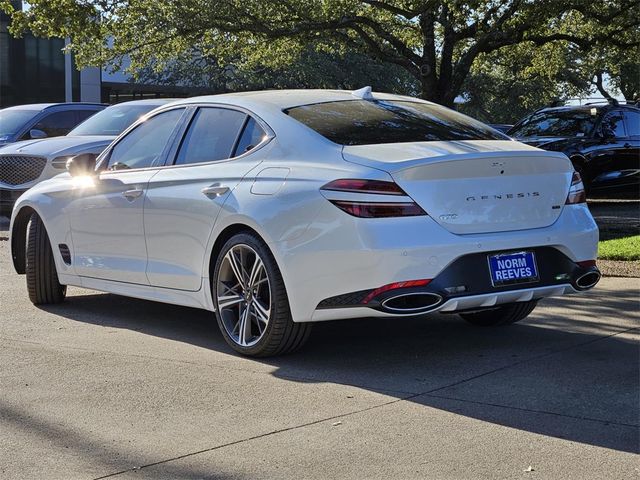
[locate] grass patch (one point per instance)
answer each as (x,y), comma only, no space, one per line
(626,248)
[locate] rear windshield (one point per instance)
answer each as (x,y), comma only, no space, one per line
(365,122)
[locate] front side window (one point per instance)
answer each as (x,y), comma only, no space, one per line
(364,122)
(558,123)
(211,136)
(58,123)
(613,125)
(143,146)
(633,123)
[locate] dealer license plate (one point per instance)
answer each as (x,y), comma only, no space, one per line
(511,268)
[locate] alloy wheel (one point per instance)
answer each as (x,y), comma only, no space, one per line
(243,294)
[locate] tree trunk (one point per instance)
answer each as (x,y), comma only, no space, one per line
(437,93)
(600,85)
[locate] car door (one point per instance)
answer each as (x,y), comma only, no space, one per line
(219,148)
(106,214)
(609,155)
(53,124)
(631,173)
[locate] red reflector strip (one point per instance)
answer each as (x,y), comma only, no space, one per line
(379,210)
(587,263)
(395,286)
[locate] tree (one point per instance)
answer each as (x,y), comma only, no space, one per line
(435,41)
(312,69)
(504,86)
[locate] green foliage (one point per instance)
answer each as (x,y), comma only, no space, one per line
(438,43)
(312,69)
(507,84)
(627,248)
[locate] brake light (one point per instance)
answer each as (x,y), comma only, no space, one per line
(395,286)
(379,187)
(576,191)
(369,208)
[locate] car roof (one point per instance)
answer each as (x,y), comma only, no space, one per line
(600,107)
(573,108)
(283,99)
(44,106)
(147,101)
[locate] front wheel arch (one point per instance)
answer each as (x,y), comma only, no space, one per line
(19,239)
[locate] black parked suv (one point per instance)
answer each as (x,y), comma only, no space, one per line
(43,120)
(602,140)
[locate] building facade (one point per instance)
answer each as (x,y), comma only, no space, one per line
(36,70)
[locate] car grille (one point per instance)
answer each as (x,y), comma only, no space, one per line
(19,169)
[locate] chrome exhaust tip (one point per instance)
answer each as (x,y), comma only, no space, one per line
(408,303)
(588,280)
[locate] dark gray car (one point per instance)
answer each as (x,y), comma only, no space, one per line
(43,120)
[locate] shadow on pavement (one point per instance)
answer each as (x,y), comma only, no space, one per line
(551,375)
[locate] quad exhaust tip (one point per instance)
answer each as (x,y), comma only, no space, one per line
(588,280)
(407,303)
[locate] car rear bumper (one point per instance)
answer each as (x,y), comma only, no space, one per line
(347,257)
(466,285)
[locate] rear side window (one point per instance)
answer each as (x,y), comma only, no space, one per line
(211,136)
(364,122)
(633,123)
(82,115)
(613,125)
(252,136)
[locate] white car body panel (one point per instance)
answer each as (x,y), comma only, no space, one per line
(107,227)
(159,246)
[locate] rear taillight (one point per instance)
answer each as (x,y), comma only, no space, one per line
(370,208)
(576,191)
(379,187)
(379,210)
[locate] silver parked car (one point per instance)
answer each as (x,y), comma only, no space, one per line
(24,164)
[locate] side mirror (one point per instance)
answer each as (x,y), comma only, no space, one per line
(36,133)
(83,164)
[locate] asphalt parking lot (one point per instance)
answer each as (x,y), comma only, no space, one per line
(105,386)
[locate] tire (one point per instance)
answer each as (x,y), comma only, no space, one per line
(42,277)
(503,315)
(278,334)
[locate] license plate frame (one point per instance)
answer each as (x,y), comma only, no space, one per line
(523,259)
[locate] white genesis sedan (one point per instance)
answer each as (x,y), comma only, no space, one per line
(277,209)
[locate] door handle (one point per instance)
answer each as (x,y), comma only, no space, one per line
(132,194)
(215,190)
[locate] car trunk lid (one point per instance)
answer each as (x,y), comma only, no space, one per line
(475,186)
